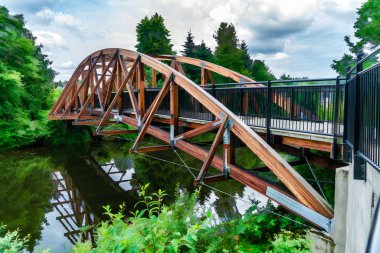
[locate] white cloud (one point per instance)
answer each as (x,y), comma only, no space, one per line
(59,18)
(276,56)
(50,40)
(300,38)
(69,65)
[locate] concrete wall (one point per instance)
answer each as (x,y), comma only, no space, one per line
(355,202)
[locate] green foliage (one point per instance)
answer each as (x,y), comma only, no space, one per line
(367,34)
(25,190)
(232,55)
(287,242)
(182,228)
(153,36)
(26,85)
(200,51)
(10,241)
(260,71)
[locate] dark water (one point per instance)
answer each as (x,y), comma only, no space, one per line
(52,193)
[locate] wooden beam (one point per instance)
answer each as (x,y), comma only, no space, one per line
(154,107)
(84,107)
(154,78)
(203,77)
(211,153)
(116,132)
(199,130)
(311,144)
(241,175)
(151,149)
(215,178)
(174,108)
(141,87)
(82,84)
(118,93)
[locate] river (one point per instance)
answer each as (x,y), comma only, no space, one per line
(52,193)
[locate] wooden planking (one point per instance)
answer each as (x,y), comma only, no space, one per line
(317,145)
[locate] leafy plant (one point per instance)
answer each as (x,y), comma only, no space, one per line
(180,227)
(11,241)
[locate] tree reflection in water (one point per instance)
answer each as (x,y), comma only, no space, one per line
(75,186)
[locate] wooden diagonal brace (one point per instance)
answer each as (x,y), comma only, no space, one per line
(199,130)
(118,93)
(167,79)
(84,107)
(82,85)
(211,153)
(156,103)
(151,149)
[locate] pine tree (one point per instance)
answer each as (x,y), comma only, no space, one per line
(153,36)
(227,53)
(246,57)
(189,46)
(203,52)
(261,72)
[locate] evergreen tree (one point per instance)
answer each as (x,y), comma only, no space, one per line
(200,51)
(189,46)
(227,52)
(367,33)
(153,36)
(246,57)
(260,71)
(203,52)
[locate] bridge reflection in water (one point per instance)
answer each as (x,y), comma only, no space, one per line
(81,193)
(85,186)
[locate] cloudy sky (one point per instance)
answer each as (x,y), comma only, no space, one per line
(300,38)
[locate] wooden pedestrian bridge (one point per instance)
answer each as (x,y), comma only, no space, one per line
(153,95)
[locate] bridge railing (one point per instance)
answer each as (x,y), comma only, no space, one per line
(362,134)
(310,106)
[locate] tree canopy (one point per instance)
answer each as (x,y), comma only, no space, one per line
(153,36)
(26,80)
(367,35)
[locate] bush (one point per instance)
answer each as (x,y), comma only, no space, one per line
(181,227)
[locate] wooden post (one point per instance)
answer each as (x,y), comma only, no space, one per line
(203,76)
(174,112)
(154,78)
(141,87)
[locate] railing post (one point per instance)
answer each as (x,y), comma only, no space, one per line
(335,146)
(359,165)
(214,95)
(347,153)
(291,113)
(269,111)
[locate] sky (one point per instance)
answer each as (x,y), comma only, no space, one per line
(300,38)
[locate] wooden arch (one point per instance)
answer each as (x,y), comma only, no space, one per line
(103,77)
(207,68)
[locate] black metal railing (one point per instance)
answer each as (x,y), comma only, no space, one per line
(362,133)
(316,106)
